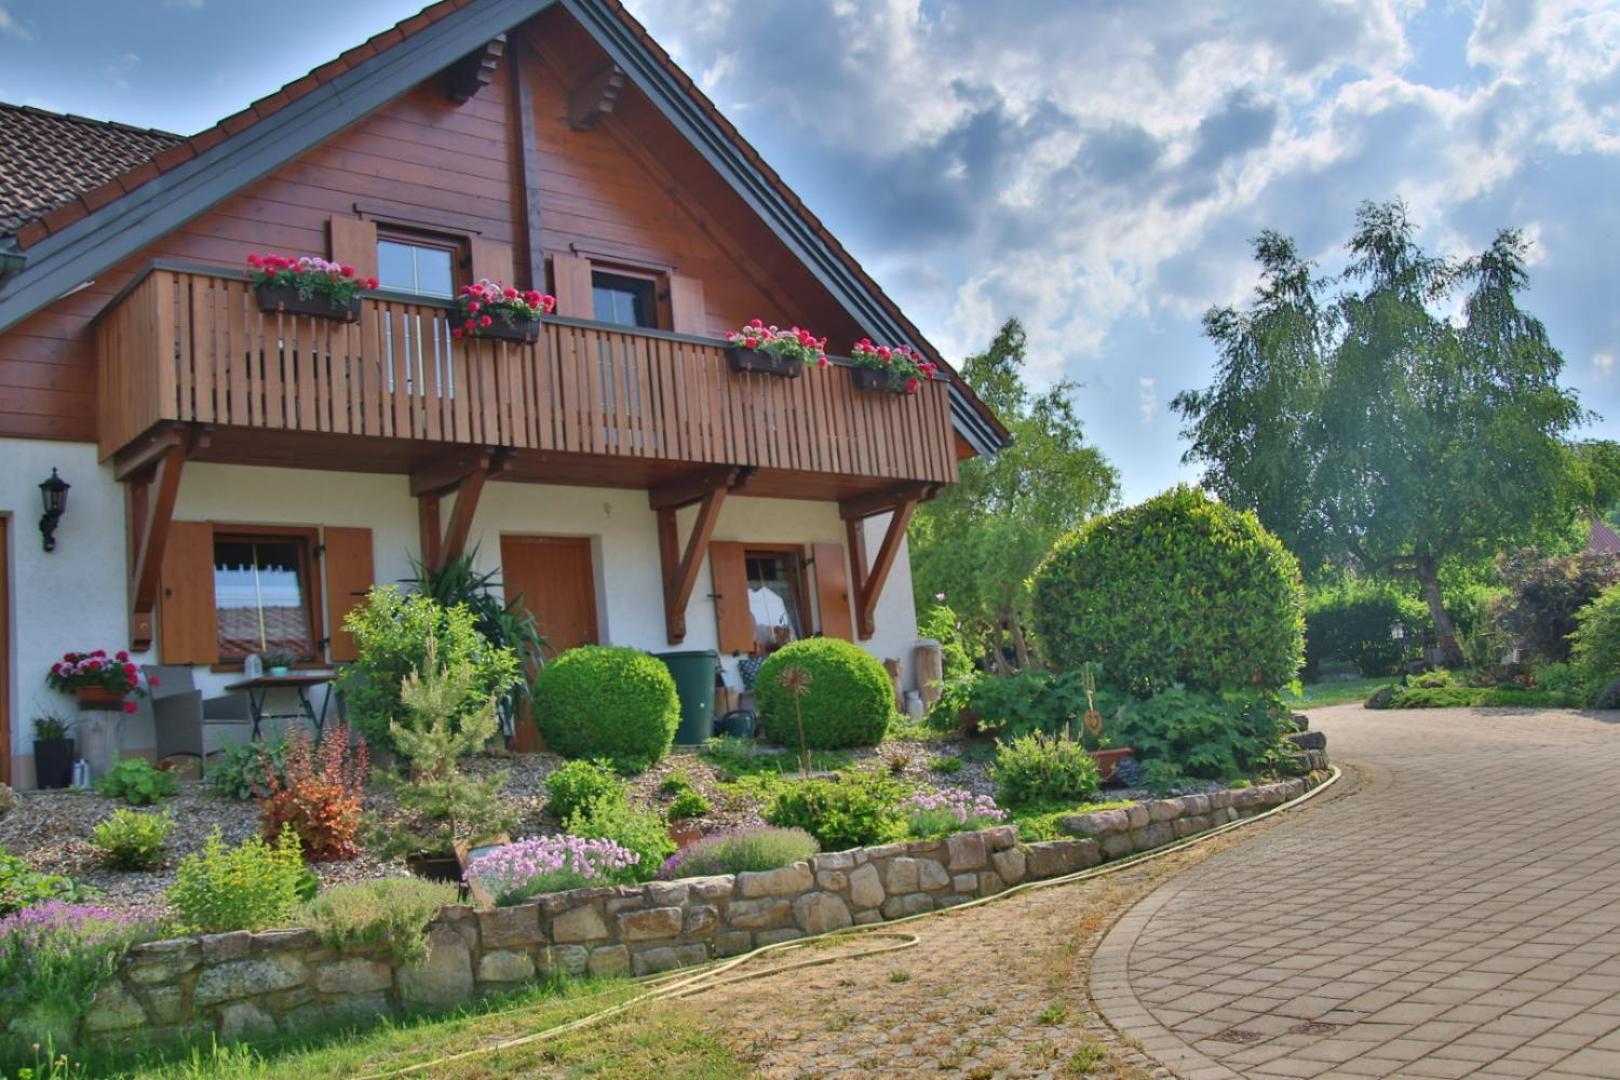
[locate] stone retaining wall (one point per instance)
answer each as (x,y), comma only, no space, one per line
(250,984)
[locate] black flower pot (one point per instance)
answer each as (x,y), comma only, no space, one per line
(286,298)
(765,363)
(886,382)
(516,330)
(53,762)
(435,866)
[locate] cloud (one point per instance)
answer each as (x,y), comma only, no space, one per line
(1147,398)
(10,27)
(186,5)
(118,69)
(1603,365)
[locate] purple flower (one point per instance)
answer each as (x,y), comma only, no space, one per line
(959,803)
(512,868)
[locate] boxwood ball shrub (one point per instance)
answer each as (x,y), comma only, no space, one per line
(1180,589)
(848,701)
(604,701)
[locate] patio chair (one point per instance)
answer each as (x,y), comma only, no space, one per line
(186,724)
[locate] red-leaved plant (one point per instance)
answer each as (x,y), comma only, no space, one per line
(319,793)
(481,305)
(902,362)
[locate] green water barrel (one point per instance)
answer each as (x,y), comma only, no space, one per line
(694,684)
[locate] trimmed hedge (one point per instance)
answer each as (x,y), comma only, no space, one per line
(849,701)
(605,701)
(1180,589)
(1352,621)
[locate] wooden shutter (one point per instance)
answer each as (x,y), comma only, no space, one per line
(349,576)
(832,590)
(187,630)
(493,261)
(686,312)
(734,622)
(354,243)
(571,285)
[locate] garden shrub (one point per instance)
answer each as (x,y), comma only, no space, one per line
(391,634)
(521,871)
(578,783)
(253,886)
(940,623)
(1180,589)
(1037,767)
(1352,621)
(1463,697)
(1044,701)
(685,801)
(1210,736)
(950,810)
(735,851)
(605,701)
(136,782)
(848,701)
(1596,647)
(641,832)
(319,794)
(389,916)
(23,887)
(1433,679)
(131,841)
(1558,679)
(1546,593)
(52,959)
(855,810)
(246,771)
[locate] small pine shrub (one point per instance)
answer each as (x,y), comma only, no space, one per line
(131,841)
(735,851)
(848,701)
(641,832)
(1038,768)
(603,701)
(319,794)
(855,810)
(253,886)
(388,916)
(136,782)
(579,783)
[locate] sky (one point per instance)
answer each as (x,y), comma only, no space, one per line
(1096,169)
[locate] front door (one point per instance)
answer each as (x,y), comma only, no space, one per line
(557,581)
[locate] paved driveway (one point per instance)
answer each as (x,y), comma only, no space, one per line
(1458,915)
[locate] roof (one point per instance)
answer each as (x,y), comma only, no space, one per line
(96,227)
(48,159)
(1603,540)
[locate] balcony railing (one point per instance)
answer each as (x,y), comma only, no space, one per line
(191,345)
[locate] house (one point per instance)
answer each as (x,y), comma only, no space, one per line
(239,478)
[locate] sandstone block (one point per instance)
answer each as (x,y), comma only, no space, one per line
(1000,838)
(1010,865)
(701,920)
(865,887)
(931,876)
(445,978)
(1052,858)
(1116,844)
(788,881)
(733,943)
(505,965)
(901,875)
(1137,816)
(717,887)
(1096,823)
(776,937)
(580,924)
(966,851)
(609,960)
(506,927)
(759,914)
(1158,834)
(1220,800)
(166,1004)
(1191,825)
(249,978)
(866,918)
(114,1009)
(833,860)
(819,912)
(898,907)
(653,924)
(965,883)
(218,948)
(1195,804)
(245,1020)
(570,959)
(1164,809)
(835,880)
(989,883)
(353,975)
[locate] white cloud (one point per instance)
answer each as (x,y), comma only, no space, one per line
(186,5)
(10,27)
(1603,365)
(1147,398)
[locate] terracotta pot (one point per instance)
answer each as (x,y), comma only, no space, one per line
(516,330)
(98,697)
(886,382)
(286,298)
(685,833)
(763,363)
(1108,760)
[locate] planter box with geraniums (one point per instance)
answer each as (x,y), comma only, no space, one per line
(771,350)
(97,680)
(53,752)
(891,369)
(490,309)
(307,286)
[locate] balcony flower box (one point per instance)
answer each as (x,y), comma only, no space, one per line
(889,369)
(307,286)
(887,382)
(772,350)
(499,312)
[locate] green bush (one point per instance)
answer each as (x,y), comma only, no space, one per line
(136,782)
(246,770)
(1037,768)
(848,701)
(1545,595)
(131,841)
(855,810)
(1471,697)
(1180,589)
(603,701)
(579,783)
(640,831)
(389,916)
(940,623)
(1435,679)
(391,633)
(1595,651)
(1559,679)
(685,801)
(757,847)
(1352,621)
(252,886)
(23,887)
(1212,736)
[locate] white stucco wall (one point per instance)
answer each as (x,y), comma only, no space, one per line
(75,598)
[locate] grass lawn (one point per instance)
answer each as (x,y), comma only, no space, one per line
(1315,695)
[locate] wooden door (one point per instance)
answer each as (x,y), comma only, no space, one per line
(557,581)
(5,652)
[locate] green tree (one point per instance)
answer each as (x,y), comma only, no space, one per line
(1370,427)
(981,539)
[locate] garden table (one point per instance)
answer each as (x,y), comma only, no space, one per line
(258,689)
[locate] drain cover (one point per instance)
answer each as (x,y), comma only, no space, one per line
(1237,1035)
(1314,1027)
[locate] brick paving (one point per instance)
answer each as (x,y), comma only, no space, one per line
(1457,914)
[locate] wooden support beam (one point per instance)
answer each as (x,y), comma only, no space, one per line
(869,581)
(151,494)
(461,519)
(444,475)
(528,169)
(881,502)
(681,568)
(595,97)
(476,70)
(690,489)
(464,475)
(427,519)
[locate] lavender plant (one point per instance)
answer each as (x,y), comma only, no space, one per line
(52,959)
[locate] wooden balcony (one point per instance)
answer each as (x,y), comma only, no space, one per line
(586,403)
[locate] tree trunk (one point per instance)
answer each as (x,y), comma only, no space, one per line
(998,656)
(1445,631)
(1020,642)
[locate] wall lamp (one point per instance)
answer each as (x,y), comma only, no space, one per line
(53,493)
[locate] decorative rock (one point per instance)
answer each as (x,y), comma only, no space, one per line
(733,943)
(1009,865)
(1195,804)
(717,887)
(931,876)
(1096,823)
(249,978)
(615,904)
(1054,857)
(865,888)
(245,1020)
(217,948)
(866,918)
(759,914)
(1191,825)
(901,875)
(571,959)
(1164,809)
(1116,844)
(1158,834)
(354,1009)
(609,960)
(989,883)
(272,942)
(445,978)
(1137,816)
(503,928)
(836,880)
(580,924)
(505,965)
(664,893)
(966,851)
(114,1009)
(1220,800)
(788,881)
(654,924)
(833,860)
(776,937)
(167,1004)
(819,912)
(1000,838)
(701,920)
(965,883)
(354,975)
(897,907)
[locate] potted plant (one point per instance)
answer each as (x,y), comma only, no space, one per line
(97,680)
(279,661)
(772,350)
(53,752)
(891,369)
(307,286)
(1107,757)
(492,310)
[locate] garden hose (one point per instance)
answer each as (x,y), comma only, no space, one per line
(708,977)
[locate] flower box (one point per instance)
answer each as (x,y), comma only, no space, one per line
(516,330)
(490,309)
(764,363)
(273,298)
(885,382)
(889,369)
(99,697)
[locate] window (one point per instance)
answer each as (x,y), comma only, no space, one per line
(263,593)
(413,263)
(775,596)
(623,299)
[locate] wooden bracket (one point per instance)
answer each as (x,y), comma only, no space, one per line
(150,472)
(708,489)
(465,477)
(868,581)
(473,72)
(595,97)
